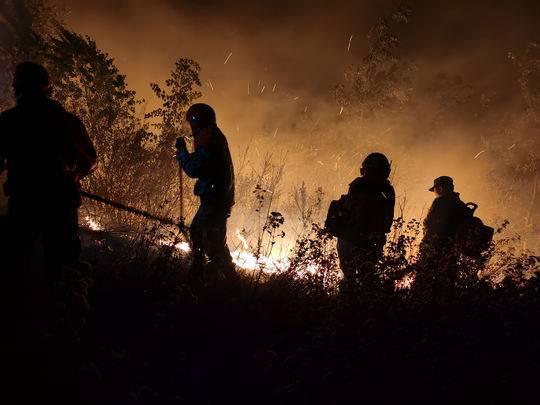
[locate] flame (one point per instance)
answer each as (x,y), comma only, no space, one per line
(183,247)
(405,283)
(274,263)
(248,261)
(245,259)
(93,224)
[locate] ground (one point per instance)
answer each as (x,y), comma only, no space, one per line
(132,329)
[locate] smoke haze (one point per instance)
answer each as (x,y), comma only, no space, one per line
(267,63)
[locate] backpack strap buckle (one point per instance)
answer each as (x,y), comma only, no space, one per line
(472,207)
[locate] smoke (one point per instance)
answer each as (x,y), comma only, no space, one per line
(270,68)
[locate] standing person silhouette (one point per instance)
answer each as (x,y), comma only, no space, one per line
(442,221)
(211,164)
(367,213)
(46,152)
(439,250)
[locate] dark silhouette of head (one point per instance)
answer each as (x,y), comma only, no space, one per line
(31,79)
(376,166)
(200,116)
(443,185)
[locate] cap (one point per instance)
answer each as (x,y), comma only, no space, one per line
(443,181)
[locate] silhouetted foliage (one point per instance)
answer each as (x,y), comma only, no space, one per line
(25,27)
(381,81)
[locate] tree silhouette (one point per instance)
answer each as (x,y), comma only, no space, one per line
(381,80)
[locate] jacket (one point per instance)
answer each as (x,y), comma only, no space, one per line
(371,205)
(443,218)
(211,164)
(46,151)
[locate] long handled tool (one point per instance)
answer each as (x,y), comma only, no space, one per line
(167,221)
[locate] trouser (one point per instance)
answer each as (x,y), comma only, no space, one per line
(357,261)
(42,237)
(209,238)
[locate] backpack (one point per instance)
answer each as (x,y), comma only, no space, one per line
(473,237)
(356,216)
(338,218)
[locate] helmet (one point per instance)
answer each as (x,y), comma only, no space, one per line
(376,165)
(201,115)
(31,78)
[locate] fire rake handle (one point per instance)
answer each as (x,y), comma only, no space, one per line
(132,210)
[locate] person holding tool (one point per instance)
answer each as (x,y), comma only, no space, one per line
(46,152)
(211,164)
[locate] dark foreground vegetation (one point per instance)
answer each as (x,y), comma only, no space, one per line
(132,329)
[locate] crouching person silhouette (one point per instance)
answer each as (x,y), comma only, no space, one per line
(212,166)
(46,152)
(361,219)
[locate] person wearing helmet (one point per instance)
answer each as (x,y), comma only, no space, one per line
(46,152)
(211,164)
(370,209)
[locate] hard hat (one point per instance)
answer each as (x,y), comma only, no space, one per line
(376,164)
(201,115)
